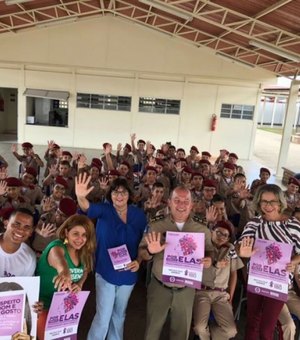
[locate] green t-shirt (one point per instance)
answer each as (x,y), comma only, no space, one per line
(47,273)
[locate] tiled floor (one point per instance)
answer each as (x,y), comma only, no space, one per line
(266,153)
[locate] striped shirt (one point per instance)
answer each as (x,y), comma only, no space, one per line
(287,231)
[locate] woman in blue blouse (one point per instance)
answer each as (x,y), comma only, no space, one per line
(118,224)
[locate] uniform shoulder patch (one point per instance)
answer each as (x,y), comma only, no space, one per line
(157,218)
(199,219)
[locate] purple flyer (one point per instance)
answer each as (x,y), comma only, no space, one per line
(30,285)
(12,306)
(119,256)
(182,259)
(267,273)
(64,315)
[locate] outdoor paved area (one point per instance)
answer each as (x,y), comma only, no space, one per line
(267,147)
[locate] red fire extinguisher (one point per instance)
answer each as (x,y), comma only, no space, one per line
(213,122)
(1,103)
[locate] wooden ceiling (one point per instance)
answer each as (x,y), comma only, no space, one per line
(230,27)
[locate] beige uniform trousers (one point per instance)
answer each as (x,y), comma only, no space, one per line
(162,301)
(207,301)
(292,306)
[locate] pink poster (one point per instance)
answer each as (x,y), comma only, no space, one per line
(64,315)
(267,274)
(12,304)
(182,259)
(30,285)
(119,256)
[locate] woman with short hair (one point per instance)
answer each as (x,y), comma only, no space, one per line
(119,224)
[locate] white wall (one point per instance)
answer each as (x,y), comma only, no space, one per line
(113,56)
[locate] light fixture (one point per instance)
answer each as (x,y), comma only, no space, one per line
(275,50)
(15,2)
(167,9)
(234,60)
(55,22)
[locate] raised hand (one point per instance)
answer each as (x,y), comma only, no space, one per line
(3,173)
(46,230)
(211,214)
(81,185)
(178,167)
(103,183)
(108,149)
(50,144)
(14,148)
(47,204)
(153,242)
(246,247)
(245,193)
(133,137)
(119,147)
(3,188)
(148,147)
(82,161)
(53,170)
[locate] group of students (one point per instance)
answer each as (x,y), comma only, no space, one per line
(132,198)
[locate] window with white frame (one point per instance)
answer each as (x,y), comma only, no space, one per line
(159,105)
(237,111)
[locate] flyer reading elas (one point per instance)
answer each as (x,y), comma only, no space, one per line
(64,315)
(182,259)
(267,273)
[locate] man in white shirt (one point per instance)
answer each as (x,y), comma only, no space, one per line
(16,257)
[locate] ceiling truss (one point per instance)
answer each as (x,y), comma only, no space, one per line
(222,26)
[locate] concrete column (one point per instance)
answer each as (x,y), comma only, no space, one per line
(263,112)
(290,114)
(273,111)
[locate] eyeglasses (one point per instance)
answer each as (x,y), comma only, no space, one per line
(222,235)
(272,203)
(123,193)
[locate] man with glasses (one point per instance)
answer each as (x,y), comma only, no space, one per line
(218,286)
(16,257)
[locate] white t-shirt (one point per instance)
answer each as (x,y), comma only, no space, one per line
(20,263)
(180,225)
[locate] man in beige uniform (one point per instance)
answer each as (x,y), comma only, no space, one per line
(171,299)
(218,286)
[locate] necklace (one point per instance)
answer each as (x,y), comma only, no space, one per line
(120,212)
